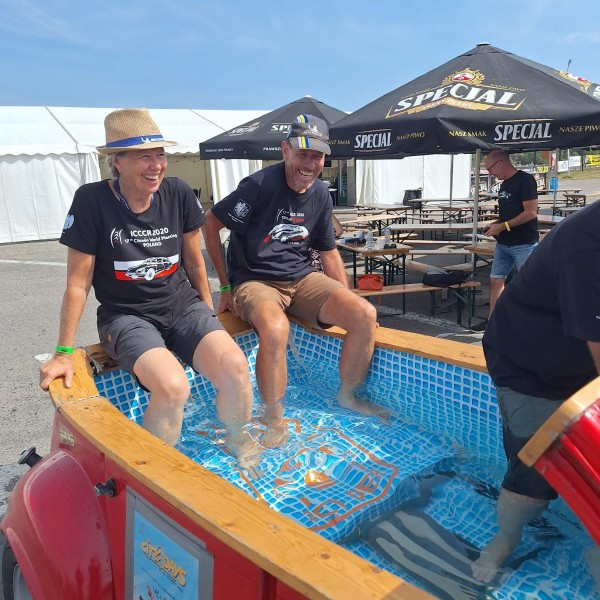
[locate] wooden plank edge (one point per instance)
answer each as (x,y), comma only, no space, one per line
(270,540)
(460,354)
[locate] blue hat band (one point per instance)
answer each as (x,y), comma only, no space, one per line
(135,141)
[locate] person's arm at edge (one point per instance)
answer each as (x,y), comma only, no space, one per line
(595,352)
(333,265)
(194,265)
(80,269)
(211,230)
(530,211)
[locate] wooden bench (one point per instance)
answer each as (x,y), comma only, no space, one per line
(463,292)
(419,267)
(445,251)
(575,199)
(436,243)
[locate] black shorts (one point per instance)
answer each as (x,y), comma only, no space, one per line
(126,337)
(522,416)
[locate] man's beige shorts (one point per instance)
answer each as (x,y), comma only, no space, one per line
(302,298)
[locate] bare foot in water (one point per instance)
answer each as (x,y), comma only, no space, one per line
(275,436)
(246,452)
(490,561)
(363,407)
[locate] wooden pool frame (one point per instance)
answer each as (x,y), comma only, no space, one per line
(258,553)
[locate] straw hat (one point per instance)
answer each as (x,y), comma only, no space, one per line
(131,129)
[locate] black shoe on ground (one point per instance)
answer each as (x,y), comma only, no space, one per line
(480,327)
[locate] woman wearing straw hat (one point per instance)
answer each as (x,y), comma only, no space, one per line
(136,239)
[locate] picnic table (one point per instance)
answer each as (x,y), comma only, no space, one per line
(385,258)
(380,220)
(433,228)
(546,192)
(565,211)
(574,199)
(483,252)
(356,210)
(548,220)
(393,262)
(449,213)
(418,204)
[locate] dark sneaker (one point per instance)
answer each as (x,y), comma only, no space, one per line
(480,327)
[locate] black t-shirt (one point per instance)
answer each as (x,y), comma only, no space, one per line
(536,339)
(513,191)
(273,227)
(138,266)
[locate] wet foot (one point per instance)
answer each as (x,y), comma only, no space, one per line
(364,407)
(246,452)
(490,561)
(275,436)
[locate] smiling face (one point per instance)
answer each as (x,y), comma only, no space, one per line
(141,172)
(302,167)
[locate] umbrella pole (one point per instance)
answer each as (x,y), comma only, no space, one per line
(476,200)
(554,175)
(451,179)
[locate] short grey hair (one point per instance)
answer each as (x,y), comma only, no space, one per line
(109,159)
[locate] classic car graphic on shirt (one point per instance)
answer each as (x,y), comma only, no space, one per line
(148,269)
(286,232)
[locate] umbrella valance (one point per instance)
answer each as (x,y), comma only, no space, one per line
(261,138)
(483,99)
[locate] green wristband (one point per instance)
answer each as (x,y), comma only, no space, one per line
(225,288)
(63,349)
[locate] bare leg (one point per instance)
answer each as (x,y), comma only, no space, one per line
(592,557)
(496,288)
(221,360)
(358,318)
(160,372)
(514,512)
(273,330)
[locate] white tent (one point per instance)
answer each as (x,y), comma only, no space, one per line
(46,153)
(385,181)
(41,165)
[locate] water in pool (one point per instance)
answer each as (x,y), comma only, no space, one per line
(416,497)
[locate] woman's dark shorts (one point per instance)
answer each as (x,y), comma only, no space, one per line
(126,337)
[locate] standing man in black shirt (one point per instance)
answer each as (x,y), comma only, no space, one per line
(516,229)
(542,344)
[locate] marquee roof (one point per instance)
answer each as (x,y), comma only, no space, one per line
(29,130)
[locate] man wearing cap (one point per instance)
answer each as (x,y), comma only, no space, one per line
(136,240)
(274,216)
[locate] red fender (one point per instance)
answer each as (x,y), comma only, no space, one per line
(58,533)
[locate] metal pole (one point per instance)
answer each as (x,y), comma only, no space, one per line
(476,199)
(554,174)
(451,177)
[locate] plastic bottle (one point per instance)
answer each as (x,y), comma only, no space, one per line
(369,240)
(387,236)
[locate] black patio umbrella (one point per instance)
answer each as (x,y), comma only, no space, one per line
(485,98)
(260,139)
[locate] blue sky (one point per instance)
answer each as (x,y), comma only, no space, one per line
(238,54)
